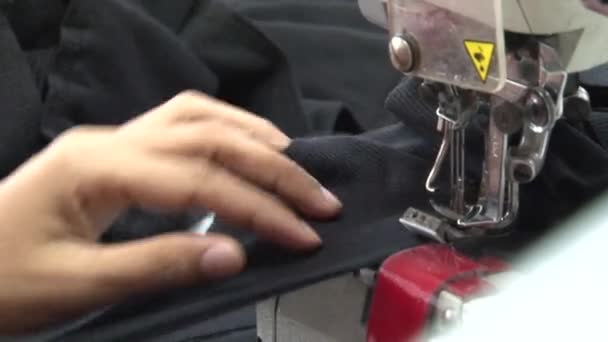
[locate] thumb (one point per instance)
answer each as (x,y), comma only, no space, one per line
(66,279)
(163,262)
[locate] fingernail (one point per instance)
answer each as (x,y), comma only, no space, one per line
(220,260)
(331,198)
(310,233)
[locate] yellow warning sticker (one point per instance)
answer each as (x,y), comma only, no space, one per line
(481,54)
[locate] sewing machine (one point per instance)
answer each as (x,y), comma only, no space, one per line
(507,61)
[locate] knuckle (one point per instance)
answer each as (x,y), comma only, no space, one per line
(290,172)
(231,157)
(281,173)
(74,133)
(256,221)
(250,218)
(296,182)
(187,96)
(268,125)
(206,172)
(189,99)
(215,129)
(212,180)
(185,103)
(275,180)
(262,127)
(218,139)
(190,199)
(74,142)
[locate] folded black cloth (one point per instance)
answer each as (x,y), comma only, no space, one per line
(106,61)
(330,42)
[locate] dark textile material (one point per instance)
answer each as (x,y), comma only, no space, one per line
(101,80)
(330,38)
(116,59)
(596,83)
(599,126)
(20,103)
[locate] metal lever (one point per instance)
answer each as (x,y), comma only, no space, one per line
(457,168)
(454,145)
(453,116)
(443,152)
(498,202)
(498,198)
(528,105)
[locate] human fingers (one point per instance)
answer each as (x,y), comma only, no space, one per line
(182,183)
(68,278)
(192,106)
(257,163)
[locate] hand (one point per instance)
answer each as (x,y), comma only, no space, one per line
(191,152)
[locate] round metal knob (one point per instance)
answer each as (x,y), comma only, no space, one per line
(402,54)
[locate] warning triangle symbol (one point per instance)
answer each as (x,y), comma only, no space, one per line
(481,55)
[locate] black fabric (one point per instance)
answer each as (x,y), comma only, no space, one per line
(596,83)
(36,22)
(599,125)
(330,39)
(21,102)
(114,59)
(145,63)
(173,14)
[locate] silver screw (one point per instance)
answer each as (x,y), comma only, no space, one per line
(402,54)
(539,113)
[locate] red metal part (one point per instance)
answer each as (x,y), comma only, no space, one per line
(494,264)
(408,283)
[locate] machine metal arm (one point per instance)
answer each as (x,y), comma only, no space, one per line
(465,54)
